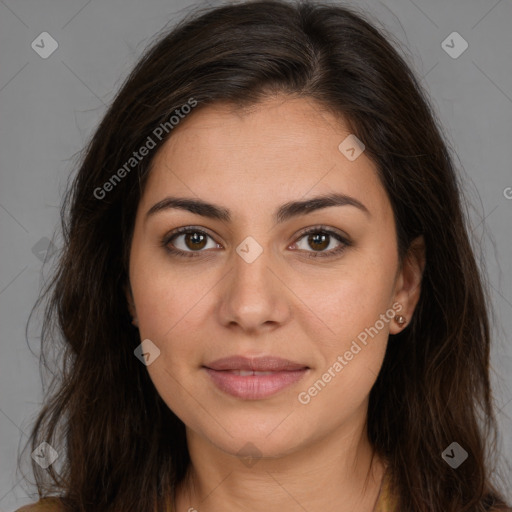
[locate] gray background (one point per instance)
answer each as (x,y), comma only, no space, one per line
(49,107)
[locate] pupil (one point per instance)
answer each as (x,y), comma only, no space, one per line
(314,240)
(196,239)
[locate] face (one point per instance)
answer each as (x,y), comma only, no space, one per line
(262,281)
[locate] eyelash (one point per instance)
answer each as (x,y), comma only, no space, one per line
(311,254)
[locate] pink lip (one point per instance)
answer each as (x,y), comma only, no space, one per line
(254,387)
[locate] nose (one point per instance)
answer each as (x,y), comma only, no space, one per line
(254,296)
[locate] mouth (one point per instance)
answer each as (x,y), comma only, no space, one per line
(246,373)
(254,378)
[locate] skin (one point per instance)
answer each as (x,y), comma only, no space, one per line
(309,310)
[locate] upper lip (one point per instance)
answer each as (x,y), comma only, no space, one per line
(259,364)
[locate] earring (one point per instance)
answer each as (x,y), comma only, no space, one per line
(400,320)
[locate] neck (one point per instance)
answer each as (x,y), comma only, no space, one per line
(339,473)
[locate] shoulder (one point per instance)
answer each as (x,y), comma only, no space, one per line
(43,505)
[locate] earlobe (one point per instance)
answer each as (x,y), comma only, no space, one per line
(408,283)
(131,304)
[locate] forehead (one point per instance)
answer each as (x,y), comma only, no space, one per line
(279,150)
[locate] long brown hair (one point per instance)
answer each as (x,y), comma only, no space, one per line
(121,447)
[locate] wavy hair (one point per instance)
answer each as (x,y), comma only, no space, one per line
(125,450)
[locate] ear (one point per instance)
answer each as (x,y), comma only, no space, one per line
(408,282)
(131,304)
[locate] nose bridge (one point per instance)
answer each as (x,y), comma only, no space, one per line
(252,276)
(253,295)
(251,264)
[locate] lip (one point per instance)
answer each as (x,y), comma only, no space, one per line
(231,375)
(260,364)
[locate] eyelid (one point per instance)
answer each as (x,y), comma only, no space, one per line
(183,230)
(323,228)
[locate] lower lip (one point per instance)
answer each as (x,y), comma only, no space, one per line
(254,387)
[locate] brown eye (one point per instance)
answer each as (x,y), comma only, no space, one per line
(190,242)
(187,241)
(195,240)
(319,239)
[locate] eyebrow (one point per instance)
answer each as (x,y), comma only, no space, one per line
(284,212)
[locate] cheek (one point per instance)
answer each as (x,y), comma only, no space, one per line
(167,296)
(350,302)
(168,309)
(352,352)
(169,318)
(351,298)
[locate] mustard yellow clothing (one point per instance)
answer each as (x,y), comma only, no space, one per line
(43,505)
(385,502)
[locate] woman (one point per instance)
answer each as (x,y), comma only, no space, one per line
(267,295)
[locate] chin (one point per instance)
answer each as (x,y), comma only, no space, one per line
(255,437)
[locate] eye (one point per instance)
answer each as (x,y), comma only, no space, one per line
(195,239)
(319,238)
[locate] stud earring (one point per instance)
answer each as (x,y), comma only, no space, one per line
(400,320)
